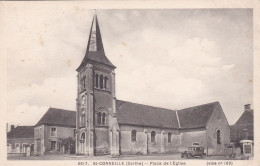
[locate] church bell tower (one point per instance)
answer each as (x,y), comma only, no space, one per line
(97,131)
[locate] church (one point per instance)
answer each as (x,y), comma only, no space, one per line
(108,126)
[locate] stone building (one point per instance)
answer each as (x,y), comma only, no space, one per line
(105,125)
(205,125)
(55,126)
(19,138)
(244,127)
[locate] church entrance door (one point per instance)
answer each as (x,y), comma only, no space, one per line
(82,143)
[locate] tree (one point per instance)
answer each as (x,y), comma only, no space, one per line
(67,142)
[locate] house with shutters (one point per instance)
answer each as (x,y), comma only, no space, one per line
(53,128)
(106,125)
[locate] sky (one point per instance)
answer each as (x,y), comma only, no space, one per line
(174,58)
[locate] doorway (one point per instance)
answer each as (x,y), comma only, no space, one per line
(82,143)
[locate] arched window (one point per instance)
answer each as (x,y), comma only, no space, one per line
(105,82)
(82,137)
(101,81)
(99,118)
(104,118)
(218,137)
(169,137)
(96,80)
(153,136)
(133,136)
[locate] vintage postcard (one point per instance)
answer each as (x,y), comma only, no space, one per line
(120,83)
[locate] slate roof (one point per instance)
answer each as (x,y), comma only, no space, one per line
(138,114)
(143,115)
(21,132)
(246,117)
(99,55)
(196,117)
(59,117)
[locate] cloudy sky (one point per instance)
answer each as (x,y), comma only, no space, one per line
(167,58)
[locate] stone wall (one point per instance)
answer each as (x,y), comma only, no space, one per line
(21,141)
(189,137)
(207,137)
(102,141)
(129,147)
(143,143)
(39,137)
(216,122)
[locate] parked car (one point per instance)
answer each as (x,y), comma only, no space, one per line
(193,152)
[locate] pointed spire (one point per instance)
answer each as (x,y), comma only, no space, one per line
(93,37)
(95,50)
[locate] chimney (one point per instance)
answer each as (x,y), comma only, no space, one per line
(247,107)
(12,127)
